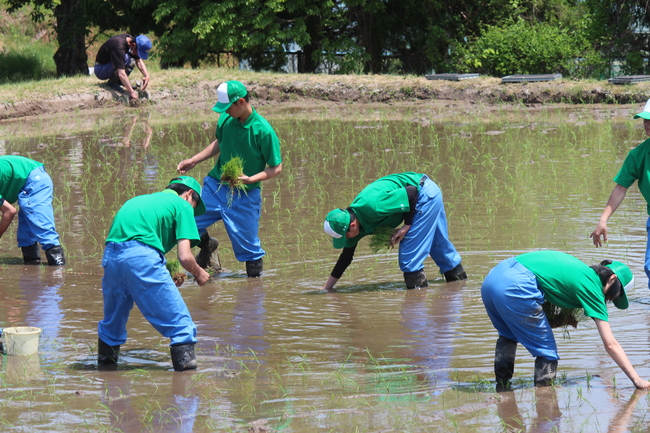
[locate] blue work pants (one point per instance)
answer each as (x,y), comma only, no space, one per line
(35,213)
(135,272)
(428,234)
(240,212)
(514,301)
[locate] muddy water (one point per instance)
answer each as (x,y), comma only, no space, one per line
(372,357)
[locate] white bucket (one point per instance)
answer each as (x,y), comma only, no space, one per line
(20,340)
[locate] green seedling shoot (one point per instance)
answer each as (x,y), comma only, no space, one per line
(176,271)
(563,317)
(380,239)
(230,172)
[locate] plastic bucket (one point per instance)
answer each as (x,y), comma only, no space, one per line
(20,340)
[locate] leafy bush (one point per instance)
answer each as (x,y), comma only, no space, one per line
(524,48)
(27,63)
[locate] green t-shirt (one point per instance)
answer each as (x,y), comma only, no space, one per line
(382,203)
(567,282)
(14,171)
(637,167)
(158,220)
(254,141)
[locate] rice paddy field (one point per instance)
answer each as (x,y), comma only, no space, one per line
(278,354)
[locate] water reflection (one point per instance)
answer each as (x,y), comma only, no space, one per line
(429,330)
(547,417)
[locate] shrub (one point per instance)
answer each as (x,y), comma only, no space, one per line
(524,48)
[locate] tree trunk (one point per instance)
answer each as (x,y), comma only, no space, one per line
(71,57)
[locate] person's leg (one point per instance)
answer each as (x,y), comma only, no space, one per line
(514,304)
(428,234)
(241,220)
(646,266)
(208,255)
(157,297)
(117,300)
(104,71)
(36,218)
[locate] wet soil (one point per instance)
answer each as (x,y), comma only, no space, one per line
(306,90)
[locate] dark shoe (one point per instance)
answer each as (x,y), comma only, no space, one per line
(207,247)
(254,268)
(545,371)
(107,354)
(504,362)
(31,254)
(416,280)
(55,256)
(184,357)
(456,274)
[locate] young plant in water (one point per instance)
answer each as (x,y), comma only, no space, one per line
(230,172)
(176,271)
(563,317)
(380,239)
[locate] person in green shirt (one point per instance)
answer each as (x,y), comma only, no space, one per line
(513,294)
(636,167)
(243,133)
(145,229)
(26,182)
(408,197)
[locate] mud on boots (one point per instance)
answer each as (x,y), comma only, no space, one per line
(55,256)
(183,356)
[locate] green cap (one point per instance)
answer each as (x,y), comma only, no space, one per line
(626,278)
(227,93)
(645,114)
(337,223)
(192,183)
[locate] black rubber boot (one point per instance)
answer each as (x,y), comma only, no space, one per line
(254,268)
(504,362)
(107,355)
(184,357)
(55,256)
(416,280)
(545,371)
(207,246)
(31,254)
(456,274)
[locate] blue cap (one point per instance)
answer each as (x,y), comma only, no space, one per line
(144,45)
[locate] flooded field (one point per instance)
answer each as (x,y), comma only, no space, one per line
(280,354)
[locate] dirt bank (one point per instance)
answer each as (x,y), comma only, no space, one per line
(189,88)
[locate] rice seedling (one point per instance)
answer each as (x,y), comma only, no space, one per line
(563,317)
(176,271)
(381,239)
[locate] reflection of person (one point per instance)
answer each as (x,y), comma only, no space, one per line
(128,133)
(25,181)
(241,132)
(409,197)
(549,416)
(513,294)
(620,422)
(143,231)
(635,168)
(118,56)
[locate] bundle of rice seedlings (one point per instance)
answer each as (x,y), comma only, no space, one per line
(176,271)
(563,317)
(230,172)
(380,239)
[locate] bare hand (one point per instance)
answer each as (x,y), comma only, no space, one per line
(601,229)
(245,179)
(202,278)
(642,384)
(399,235)
(185,166)
(133,95)
(145,82)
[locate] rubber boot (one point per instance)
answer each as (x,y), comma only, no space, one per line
(107,355)
(184,357)
(207,247)
(416,280)
(31,254)
(504,362)
(55,256)
(545,371)
(456,274)
(254,268)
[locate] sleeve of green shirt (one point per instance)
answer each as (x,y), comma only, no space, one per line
(629,171)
